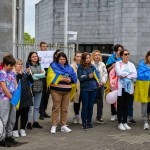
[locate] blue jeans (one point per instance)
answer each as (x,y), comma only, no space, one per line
(36,105)
(88,99)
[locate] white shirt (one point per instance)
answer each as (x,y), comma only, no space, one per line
(128,70)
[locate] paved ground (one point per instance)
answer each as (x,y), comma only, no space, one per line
(101,137)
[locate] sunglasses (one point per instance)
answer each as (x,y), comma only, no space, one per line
(126,54)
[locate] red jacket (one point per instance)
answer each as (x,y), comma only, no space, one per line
(1,66)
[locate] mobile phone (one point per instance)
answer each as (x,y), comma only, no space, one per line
(66,75)
(27,64)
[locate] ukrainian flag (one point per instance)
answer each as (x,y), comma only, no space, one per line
(54,78)
(15,100)
(96,76)
(142,86)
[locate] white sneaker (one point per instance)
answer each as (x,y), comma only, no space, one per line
(113,118)
(79,120)
(126,126)
(65,129)
(15,133)
(146,126)
(75,120)
(23,132)
(53,130)
(121,127)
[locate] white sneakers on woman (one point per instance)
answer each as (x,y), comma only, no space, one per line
(23,132)
(16,133)
(53,130)
(126,126)
(146,126)
(63,129)
(123,127)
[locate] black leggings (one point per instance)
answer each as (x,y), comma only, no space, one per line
(23,114)
(76,107)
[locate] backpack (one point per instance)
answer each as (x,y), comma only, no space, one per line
(113,79)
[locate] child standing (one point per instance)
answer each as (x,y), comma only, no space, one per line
(26,98)
(7,110)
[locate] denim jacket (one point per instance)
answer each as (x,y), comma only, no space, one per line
(86,83)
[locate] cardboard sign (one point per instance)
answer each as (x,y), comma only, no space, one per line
(46,57)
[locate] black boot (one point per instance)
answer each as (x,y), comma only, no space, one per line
(89,126)
(36,125)
(4,143)
(46,115)
(29,126)
(84,127)
(11,140)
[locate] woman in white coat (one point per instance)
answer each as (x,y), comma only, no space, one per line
(77,98)
(127,75)
(101,69)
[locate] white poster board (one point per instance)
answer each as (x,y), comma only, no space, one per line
(46,57)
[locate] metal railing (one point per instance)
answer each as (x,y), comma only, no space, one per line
(23,50)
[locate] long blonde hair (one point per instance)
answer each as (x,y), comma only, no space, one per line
(18,61)
(93,55)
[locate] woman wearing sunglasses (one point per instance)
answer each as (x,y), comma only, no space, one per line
(127,75)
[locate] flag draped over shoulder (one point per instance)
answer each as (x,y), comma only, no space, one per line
(112,59)
(96,76)
(15,100)
(55,73)
(142,87)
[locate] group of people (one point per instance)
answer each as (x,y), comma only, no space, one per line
(83,82)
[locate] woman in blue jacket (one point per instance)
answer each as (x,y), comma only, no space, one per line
(89,81)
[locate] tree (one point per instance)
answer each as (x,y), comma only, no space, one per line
(28,39)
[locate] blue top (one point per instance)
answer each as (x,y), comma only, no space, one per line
(112,59)
(86,83)
(143,71)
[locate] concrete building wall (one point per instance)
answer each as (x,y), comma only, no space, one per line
(6,27)
(44,21)
(92,19)
(143,38)
(102,22)
(11,27)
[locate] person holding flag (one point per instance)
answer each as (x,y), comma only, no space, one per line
(26,80)
(89,82)
(61,79)
(8,87)
(142,88)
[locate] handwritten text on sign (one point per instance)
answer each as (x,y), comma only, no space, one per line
(46,58)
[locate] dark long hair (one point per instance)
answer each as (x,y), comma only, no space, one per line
(56,53)
(122,52)
(61,55)
(83,60)
(146,57)
(29,58)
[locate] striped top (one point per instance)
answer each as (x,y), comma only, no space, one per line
(61,86)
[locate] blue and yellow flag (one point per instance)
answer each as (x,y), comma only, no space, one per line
(142,86)
(15,100)
(96,76)
(56,72)
(52,77)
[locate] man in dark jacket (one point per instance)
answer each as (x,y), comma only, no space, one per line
(45,94)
